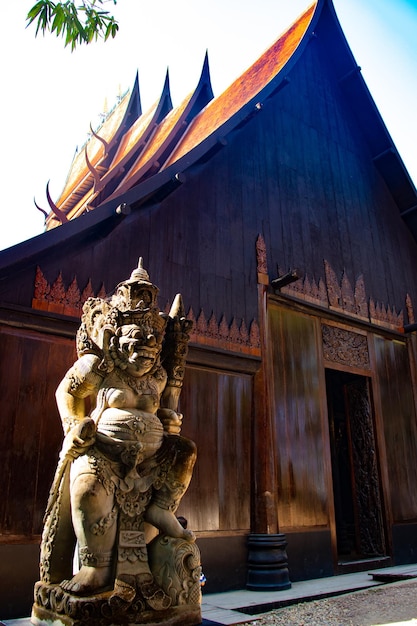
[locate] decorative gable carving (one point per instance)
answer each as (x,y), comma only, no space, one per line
(58,298)
(345,347)
(348,298)
(234,336)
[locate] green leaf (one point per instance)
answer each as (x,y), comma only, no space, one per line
(35,10)
(77,24)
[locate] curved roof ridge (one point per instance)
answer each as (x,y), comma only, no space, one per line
(79,174)
(169,132)
(247,86)
(125,127)
(132,144)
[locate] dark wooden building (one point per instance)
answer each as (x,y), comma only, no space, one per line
(282,212)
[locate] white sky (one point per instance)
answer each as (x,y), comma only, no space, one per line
(50,95)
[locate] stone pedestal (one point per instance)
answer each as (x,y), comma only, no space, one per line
(175,616)
(176,567)
(267,563)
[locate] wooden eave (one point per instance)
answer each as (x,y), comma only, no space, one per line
(247,89)
(148,160)
(95,147)
(208,131)
(134,144)
(172,134)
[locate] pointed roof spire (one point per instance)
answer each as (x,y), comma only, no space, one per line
(134,108)
(165,102)
(204,92)
(206,68)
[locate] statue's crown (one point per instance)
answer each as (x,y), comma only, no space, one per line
(134,302)
(137,293)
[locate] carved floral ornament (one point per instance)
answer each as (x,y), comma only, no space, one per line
(345,347)
(339,294)
(233,336)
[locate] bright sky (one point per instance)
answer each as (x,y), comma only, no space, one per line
(50,95)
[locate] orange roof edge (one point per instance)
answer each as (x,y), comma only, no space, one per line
(262,76)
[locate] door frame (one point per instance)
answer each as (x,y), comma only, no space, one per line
(338,384)
(368,371)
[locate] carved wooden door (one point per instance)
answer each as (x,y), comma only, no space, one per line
(358,509)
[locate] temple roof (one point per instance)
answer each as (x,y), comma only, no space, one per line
(93,159)
(137,157)
(164,135)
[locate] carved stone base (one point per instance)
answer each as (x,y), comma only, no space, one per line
(267,563)
(189,615)
(176,567)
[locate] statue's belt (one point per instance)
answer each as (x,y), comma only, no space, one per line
(113,448)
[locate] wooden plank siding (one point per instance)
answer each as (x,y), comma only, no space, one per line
(303,459)
(217,408)
(400,425)
(31,366)
(218,414)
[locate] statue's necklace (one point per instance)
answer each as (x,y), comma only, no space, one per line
(144,385)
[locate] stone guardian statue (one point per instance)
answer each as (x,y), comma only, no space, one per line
(122,472)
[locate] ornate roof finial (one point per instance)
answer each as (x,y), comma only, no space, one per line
(96,176)
(103,141)
(40,209)
(59,214)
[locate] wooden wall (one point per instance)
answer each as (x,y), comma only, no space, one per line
(303,459)
(400,426)
(302,438)
(31,366)
(217,408)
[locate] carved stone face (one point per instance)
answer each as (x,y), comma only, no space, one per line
(137,351)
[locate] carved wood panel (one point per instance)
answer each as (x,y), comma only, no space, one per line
(364,461)
(345,347)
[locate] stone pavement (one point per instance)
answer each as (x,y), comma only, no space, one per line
(237,607)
